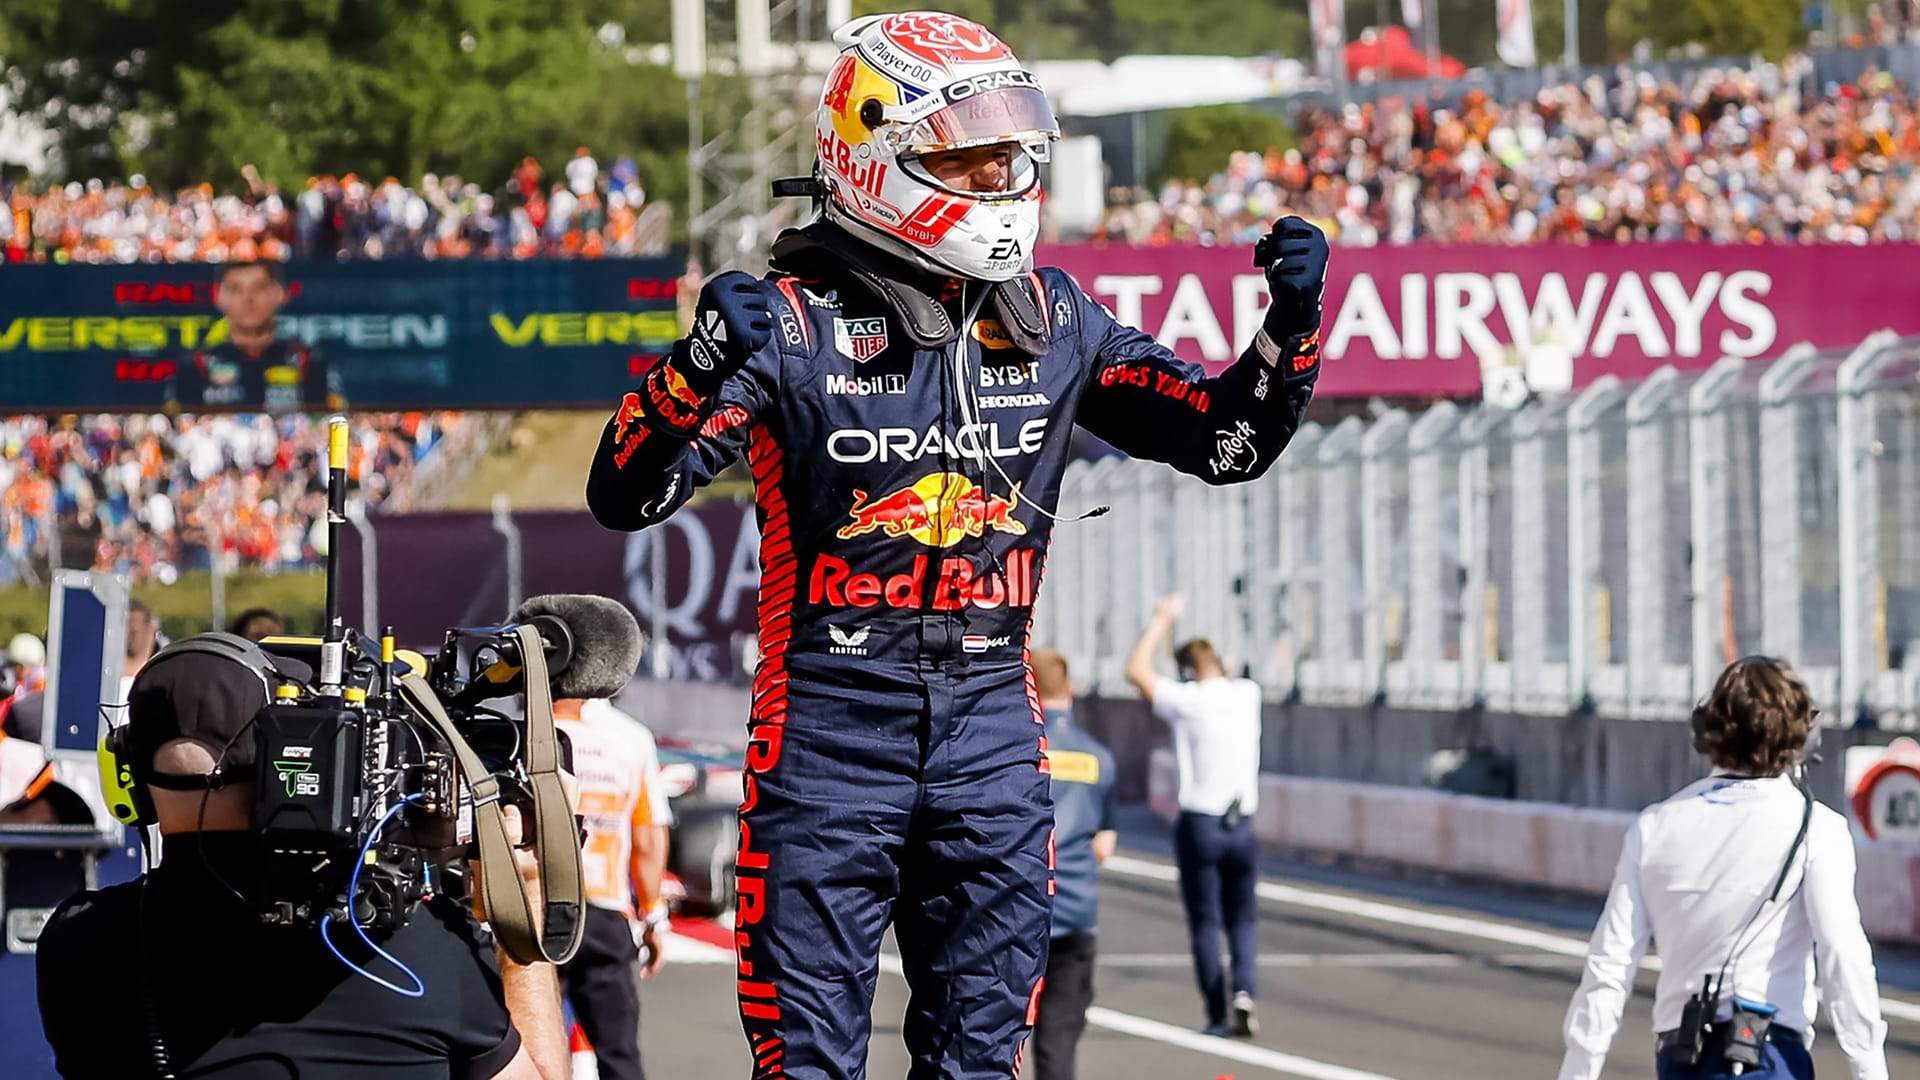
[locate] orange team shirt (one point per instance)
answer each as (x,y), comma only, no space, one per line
(618,766)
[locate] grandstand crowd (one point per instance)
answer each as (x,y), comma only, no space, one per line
(153,496)
(1725,156)
(585,212)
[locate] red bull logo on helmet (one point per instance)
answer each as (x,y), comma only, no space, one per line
(939,510)
(942,39)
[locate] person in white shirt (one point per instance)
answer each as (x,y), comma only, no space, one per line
(1743,878)
(1216,744)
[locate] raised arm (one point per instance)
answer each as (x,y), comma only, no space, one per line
(693,413)
(1152,639)
(1227,428)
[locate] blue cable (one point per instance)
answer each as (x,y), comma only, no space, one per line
(353,890)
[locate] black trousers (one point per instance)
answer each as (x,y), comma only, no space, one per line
(1063,1006)
(1218,872)
(599,984)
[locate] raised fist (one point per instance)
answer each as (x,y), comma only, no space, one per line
(731,322)
(1294,256)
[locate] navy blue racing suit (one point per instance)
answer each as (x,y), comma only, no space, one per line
(896,767)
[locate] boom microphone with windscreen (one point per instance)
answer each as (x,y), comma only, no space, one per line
(605,639)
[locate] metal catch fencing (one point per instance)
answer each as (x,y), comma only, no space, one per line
(1610,550)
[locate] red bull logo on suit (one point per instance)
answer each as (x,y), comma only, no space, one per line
(939,510)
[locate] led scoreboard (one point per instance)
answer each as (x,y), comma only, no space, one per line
(403,334)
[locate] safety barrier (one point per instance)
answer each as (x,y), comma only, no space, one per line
(1526,843)
(1610,550)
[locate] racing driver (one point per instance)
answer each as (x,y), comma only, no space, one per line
(904,386)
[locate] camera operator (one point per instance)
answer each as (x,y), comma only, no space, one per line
(175,970)
(1747,883)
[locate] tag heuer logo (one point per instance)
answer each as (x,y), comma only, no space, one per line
(860,340)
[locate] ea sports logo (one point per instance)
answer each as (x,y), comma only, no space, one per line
(943,39)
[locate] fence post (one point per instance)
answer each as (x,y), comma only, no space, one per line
(1338,652)
(369,565)
(1063,574)
(1859,519)
(1476,523)
(1102,550)
(1295,605)
(503,524)
(1532,544)
(1265,549)
(1780,599)
(1429,440)
(1647,464)
(1377,447)
(1707,460)
(1583,519)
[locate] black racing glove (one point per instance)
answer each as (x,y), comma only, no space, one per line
(1294,256)
(731,322)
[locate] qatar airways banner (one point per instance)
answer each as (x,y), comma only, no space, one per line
(1427,320)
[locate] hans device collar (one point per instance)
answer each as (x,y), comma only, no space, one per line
(822,250)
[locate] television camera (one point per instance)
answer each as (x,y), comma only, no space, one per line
(377,781)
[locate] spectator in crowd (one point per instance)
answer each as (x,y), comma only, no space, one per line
(1082,780)
(257,623)
(154,496)
(583,173)
(25,663)
(1745,879)
(1723,156)
(333,217)
(22,679)
(1216,745)
(143,640)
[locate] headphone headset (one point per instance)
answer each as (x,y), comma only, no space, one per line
(124,777)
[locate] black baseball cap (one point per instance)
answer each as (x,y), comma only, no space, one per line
(207,697)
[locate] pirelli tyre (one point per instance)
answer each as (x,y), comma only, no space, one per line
(706,837)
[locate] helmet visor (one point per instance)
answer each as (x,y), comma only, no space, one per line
(1013,113)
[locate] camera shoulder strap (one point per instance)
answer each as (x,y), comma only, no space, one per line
(508,907)
(561,879)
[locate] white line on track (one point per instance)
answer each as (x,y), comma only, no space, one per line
(1245,1053)
(1337,960)
(682,950)
(1402,915)
(1141,1027)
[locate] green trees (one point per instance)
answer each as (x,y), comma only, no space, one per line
(1722,27)
(188,92)
(1199,141)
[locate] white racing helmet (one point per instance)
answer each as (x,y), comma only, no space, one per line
(915,83)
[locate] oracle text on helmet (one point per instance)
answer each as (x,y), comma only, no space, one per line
(1451,315)
(981,84)
(857,446)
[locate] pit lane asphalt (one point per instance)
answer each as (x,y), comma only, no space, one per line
(1362,978)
